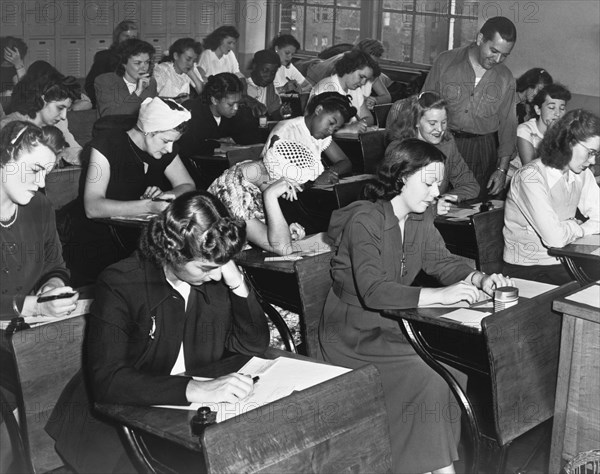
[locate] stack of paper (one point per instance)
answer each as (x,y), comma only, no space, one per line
(278,379)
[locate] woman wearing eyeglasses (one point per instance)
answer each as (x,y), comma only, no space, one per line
(545,195)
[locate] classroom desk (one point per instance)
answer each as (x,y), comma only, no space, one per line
(579,260)
(576,426)
(335,426)
(511,364)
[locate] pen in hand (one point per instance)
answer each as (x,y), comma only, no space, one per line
(162,199)
(44,299)
(255,379)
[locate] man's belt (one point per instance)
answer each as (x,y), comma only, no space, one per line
(461,134)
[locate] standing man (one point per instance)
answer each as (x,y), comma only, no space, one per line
(481,97)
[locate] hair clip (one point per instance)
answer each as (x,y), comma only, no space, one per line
(18,135)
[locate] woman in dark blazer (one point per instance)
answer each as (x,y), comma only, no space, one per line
(176,305)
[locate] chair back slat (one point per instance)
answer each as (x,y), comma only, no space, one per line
(489,239)
(372,145)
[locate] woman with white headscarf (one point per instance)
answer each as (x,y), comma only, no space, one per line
(129,173)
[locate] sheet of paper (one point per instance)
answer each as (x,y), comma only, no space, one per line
(83,307)
(468,317)
(312,245)
(531,289)
(593,239)
(589,296)
(460,213)
(595,252)
(278,379)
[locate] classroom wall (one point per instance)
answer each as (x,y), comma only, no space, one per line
(560,36)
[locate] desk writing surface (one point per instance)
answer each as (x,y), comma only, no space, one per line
(322,426)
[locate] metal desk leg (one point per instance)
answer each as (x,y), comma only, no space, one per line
(416,341)
(575,270)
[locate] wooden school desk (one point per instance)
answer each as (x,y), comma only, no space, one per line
(511,364)
(581,258)
(576,426)
(337,426)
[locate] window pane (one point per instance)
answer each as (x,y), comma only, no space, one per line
(398,4)
(396,36)
(467,8)
(348,3)
(347,26)
(319,28)
(465,31)
(437,6)
(431,38)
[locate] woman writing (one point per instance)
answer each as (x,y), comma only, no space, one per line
(43,101)
(426,117)
(216,114)
(352,72)
(177,72)
(129,173)
(382,244)
(121,92)
(545,195)
(251,189)
(181,287)
(27,222)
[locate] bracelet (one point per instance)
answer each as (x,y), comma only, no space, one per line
(501,170)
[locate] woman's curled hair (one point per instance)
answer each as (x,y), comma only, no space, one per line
(214,40)
(354,60)
(129,48)
(402,159)
(576,126)
(18,137)
(196,225)
(332,102)
(410,112)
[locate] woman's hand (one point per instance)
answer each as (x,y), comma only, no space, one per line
(371,102)
(489,283)
(360,126)
(151,192)
(292,86)
(283,187)
(461,291)
(59,307)
(328,176)
(142,83)
(13,56)
(445,203)
(232,275)
(297,231)
(230,389)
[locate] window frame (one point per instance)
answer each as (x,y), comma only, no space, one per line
(371,23)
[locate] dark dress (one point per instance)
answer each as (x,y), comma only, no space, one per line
(124,364)
(104,61)
(31,254)
(424,417)
(92,246)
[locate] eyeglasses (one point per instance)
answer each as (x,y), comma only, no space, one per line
(591,153)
